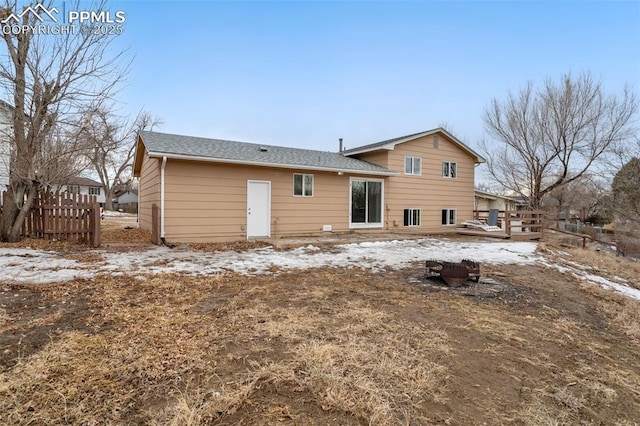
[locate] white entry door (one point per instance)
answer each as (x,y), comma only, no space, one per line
(258,209)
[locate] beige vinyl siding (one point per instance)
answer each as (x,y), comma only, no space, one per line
(149,189)
(430,192)
(208,201)
(380,158)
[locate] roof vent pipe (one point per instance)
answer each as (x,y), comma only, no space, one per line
(341,148)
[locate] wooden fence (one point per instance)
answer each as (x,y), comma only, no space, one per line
(64,217)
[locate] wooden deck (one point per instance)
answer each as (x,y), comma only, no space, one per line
(516,236)
(518,225)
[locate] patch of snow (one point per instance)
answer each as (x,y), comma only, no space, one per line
(113,213)
(580,271)
(620,288)
(37,266)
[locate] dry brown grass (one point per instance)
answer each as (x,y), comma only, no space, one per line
(229,246)
(119,232)
(330,346)
(149,341)
(607,264)
(623,311)
(358,368)
(41,244)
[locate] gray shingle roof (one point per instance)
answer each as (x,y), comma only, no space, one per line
(190,147)
(378,145)
(372,146)
(82,181)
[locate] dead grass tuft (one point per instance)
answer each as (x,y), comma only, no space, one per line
(237,246)
(356,369)
(41,244)
(124,233)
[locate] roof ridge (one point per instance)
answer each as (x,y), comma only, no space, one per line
(198,148)
(386,141)
(239,142)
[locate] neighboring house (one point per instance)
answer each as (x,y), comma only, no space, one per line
(216,190)
(489,201)
(83,185)
(6,117)
(126,201)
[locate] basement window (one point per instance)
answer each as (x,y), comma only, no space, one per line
(411,217)
(448,216)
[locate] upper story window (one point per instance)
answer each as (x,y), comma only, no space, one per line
(94,190)
(449,169)
(302,185)
(73,189)
(412,165)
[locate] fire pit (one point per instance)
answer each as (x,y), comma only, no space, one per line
(454,274)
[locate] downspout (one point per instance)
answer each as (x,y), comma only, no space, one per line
(164,163)
(138,206)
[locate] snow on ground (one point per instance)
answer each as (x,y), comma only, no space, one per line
(37,266)
(581,272)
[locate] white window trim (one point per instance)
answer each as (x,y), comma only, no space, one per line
(313,185)
(367,225)
(405,165)
(411,209)
(449,176)
(448,216)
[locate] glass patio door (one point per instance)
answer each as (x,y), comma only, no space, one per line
(366,203)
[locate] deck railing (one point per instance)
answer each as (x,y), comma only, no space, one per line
(516,222)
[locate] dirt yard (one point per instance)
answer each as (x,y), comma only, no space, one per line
(324,346)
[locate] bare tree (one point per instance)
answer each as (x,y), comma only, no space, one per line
(110,142)
(584,197)
(48,79)
(549,137)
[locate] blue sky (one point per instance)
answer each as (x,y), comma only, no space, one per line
(303,74)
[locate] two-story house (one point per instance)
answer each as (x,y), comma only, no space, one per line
(217,190)
(84,186)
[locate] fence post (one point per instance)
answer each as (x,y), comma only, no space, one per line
(95,224)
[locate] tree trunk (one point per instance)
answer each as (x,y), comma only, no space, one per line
(9,215)
(108,200)
(13,214)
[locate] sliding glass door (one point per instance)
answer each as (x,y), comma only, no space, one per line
(366,203)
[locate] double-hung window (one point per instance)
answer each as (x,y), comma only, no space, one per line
(94,190)
(412,166)
(302,185)
(449,169)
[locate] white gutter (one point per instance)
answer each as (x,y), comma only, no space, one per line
(258,163)
(164,163)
